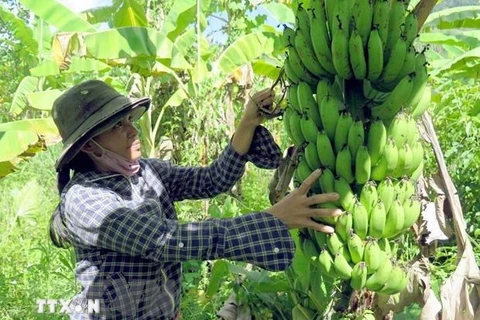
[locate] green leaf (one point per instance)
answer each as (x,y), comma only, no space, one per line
(264,68)
(131,14)
(465,65)
(214,211)
(457,17)
(219,271)
(279,11)
(58,16)
(244,50)
(80,64)
(20,29)
(14,143)
(47,68)
(100,14)
(175,23)
(466,39)
(43,100)
(27,85)
(41,126)
(27,200)
(128,42)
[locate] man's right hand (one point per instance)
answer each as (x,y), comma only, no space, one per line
(297,209)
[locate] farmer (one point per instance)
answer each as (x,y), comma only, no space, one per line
(117,210)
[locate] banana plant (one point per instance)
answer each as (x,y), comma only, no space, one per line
(456,33)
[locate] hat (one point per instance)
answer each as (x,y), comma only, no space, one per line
(88,109)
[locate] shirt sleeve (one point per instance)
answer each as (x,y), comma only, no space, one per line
(97,218)
(222,174)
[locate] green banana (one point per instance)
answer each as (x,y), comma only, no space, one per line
(376,140)
(375,54)
(297,135)
(395,61)
(309,129)
(292,97)
(377,221)
(411,27)
(347,197)
(291,75)
(372,254)
(398,129)
(368,197)
(412,208)
(359,275)
(355,247)
(341,61)
(302,170)
(362,12)
(357,57)
(395,22)
(286,121)
(342,267)
(395,101)
(342,16)
(319,36)
(387,162)
(384,245)
(343,225)
(378,279)
(343,165)
(299,68)
(325,151)
(356,137)
(308,104)
(395,220)
(307,55)
(360,218)
(408,65)
(287,36)
(404,161)
(418,171)
(311,156)
(325,264)
(327,181)
(334,243)
(309,249)
(386,192)
(413,134)
(327,87)
(404,189)
(397,281)
(423,103)
(344,123)
(330,9)
(302,20)
(363,165)
(417,157)
(381,17)
(329,114)
(420,78)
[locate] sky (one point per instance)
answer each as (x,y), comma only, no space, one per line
(214,24)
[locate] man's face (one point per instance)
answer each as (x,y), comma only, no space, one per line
(122,139)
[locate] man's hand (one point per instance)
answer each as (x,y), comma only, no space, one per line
(252,115)
(297,209)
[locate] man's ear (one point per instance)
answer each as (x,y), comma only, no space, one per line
(88,147)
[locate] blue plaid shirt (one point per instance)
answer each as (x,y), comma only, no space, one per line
(129,245)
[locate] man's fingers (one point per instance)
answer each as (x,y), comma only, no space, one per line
(319,227)
(327,212)
(305,186)
(322,198)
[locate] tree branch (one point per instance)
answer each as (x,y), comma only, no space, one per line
(423,10)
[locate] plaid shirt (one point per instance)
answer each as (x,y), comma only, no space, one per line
(129,245)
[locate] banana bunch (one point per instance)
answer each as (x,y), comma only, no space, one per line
(356,88)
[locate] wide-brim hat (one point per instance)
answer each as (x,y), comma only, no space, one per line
(88,109)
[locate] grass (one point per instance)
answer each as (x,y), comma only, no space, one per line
(31,268)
